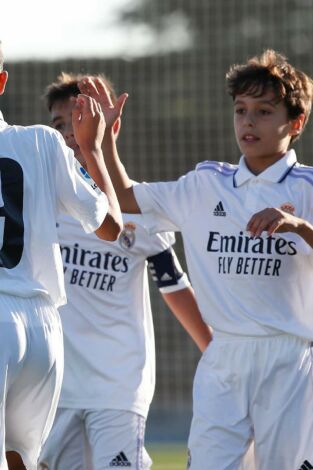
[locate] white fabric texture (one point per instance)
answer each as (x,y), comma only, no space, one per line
(39,171)
(107,322)
(259,286)
(253,388)
(95,440)
(31,369)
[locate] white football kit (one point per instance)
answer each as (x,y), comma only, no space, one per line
(109,375)
(38,179)
(255,379)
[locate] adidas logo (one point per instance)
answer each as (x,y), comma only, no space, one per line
(120,461)
(219,210)
(166,277)
(306,465)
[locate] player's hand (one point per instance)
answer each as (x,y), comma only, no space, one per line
(96,88)
(88,123)
(273,220)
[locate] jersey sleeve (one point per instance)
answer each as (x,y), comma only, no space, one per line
(166,205)
(77,194)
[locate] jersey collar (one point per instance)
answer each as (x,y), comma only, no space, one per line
(275,173)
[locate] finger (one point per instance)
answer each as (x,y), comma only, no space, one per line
(257,226)
(98,108)
(103,91)
(253,223)
(275,226)
(86,104)
(120,103)
(76,111)
(87,86)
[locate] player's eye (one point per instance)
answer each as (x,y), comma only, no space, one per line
(240,110)
(265,112)
(59,126)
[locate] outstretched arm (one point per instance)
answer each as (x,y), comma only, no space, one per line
(89,127)
(273,220)
(183,305)
(95,88)
(175,288)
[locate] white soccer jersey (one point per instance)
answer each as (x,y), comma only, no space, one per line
(244,286)
(39,179)
(107,322)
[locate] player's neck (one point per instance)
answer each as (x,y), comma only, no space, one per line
(260,164)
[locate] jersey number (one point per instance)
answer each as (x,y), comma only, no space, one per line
(11,213)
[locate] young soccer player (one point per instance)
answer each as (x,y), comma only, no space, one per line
(109,373)
(248,238)
(38,179)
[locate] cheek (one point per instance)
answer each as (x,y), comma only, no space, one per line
(237,127)
(283,130)
(63,134)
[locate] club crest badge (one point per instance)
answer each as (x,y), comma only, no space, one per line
(127,237)
(288,207)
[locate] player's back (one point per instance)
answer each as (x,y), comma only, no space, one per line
(28,204)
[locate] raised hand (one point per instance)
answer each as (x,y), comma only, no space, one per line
(88,123)
(96,89)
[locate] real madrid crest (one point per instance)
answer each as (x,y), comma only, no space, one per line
(288,207)
(127,237)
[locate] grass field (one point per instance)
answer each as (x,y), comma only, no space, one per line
(168,457)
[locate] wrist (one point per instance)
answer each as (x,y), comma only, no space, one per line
(91,152)
(303,228)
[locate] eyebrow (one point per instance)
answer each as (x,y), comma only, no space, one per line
(272,102)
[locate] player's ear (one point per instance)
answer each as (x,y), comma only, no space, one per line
(3,80)
(297,124)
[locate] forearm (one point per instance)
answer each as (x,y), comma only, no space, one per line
(305,230)
(184,306)
(112,224)
(121,182)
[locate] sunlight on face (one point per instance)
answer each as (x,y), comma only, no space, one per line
(262,128)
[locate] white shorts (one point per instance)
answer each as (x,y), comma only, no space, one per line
(253,388)
(95,440)
(31,370)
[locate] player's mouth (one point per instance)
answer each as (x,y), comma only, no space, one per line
(250,138)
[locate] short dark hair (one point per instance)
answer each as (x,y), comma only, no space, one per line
(66,85)
(271,70)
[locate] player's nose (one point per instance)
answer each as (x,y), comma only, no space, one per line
(249,118)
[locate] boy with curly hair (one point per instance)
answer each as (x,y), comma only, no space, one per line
(248,236)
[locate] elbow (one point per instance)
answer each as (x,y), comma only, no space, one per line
(113,234)
(110,230)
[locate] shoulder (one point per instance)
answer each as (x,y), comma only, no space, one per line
(45,131)
(302,172)
(35,138)
(36,133)
(223,168)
